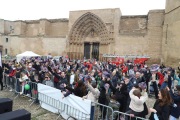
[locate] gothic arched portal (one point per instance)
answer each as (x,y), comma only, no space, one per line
(90,31)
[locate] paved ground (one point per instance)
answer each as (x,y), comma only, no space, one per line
(42,114)
(23,103)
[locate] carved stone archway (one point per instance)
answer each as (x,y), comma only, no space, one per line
(88,24)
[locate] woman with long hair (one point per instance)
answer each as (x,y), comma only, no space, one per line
(80,90)
(162,106)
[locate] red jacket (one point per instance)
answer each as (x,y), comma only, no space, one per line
(125,69)
(13,72)
(56,79)
(161,78)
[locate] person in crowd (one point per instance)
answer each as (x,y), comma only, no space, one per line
(73,77)
(56,80)
(169,79)
(165,83)
(67,93)
(137,101)
(48,81)
(23,78)
(172,77)
(11,75)
(1,76)
(147,75)
(175,111)
(102,97)
(113,104)
(79,91)
(114,79)
(92,95)
(136,80)
(176,78)
(163,104)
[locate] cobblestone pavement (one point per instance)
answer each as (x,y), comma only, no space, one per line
(42,114)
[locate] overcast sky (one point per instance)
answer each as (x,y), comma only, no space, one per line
(52,9)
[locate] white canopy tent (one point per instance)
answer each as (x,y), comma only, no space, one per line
(26,54)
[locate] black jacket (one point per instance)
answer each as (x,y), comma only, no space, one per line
(77,91)
(61,79)
(163,112)
(121,96)
(103,90)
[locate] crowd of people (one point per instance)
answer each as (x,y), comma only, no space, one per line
(124,87)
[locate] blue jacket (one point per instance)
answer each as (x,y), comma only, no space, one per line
(114,80)
(164,84)
(129,86)
(175,111)
(175,77)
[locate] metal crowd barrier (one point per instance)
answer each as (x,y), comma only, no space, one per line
(98,108)
(120,114)
(15,85)
(51,102)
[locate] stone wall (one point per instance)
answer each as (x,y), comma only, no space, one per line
(133,24)
(141,35)
(39,45)
(171,34)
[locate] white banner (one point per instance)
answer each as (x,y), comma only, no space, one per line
(84,106)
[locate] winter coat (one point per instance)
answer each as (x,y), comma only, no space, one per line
(164,84)
(76,79)
(61,80)
(77,91)
(103,90)
(48,83)
(121,96)
(114,106)
(114,80)
(136,81)
(129,86)
(56,80)
(136,103)
(163,112)
(175,111)
(161,78)
(93,94)
(13,72)
(175,77)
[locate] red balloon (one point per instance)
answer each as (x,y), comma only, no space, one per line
(66,56)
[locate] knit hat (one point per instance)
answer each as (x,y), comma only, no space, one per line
(106,85)
(81,76)
(142,85)
(55,67)
(106,75)
(154,68)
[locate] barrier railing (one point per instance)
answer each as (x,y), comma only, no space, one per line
(125,116)
(15,85)
(102,110)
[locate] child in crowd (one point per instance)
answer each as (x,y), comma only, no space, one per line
(113,104)
(23,78)
(137,101)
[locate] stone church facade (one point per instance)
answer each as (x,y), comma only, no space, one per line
(92,33)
